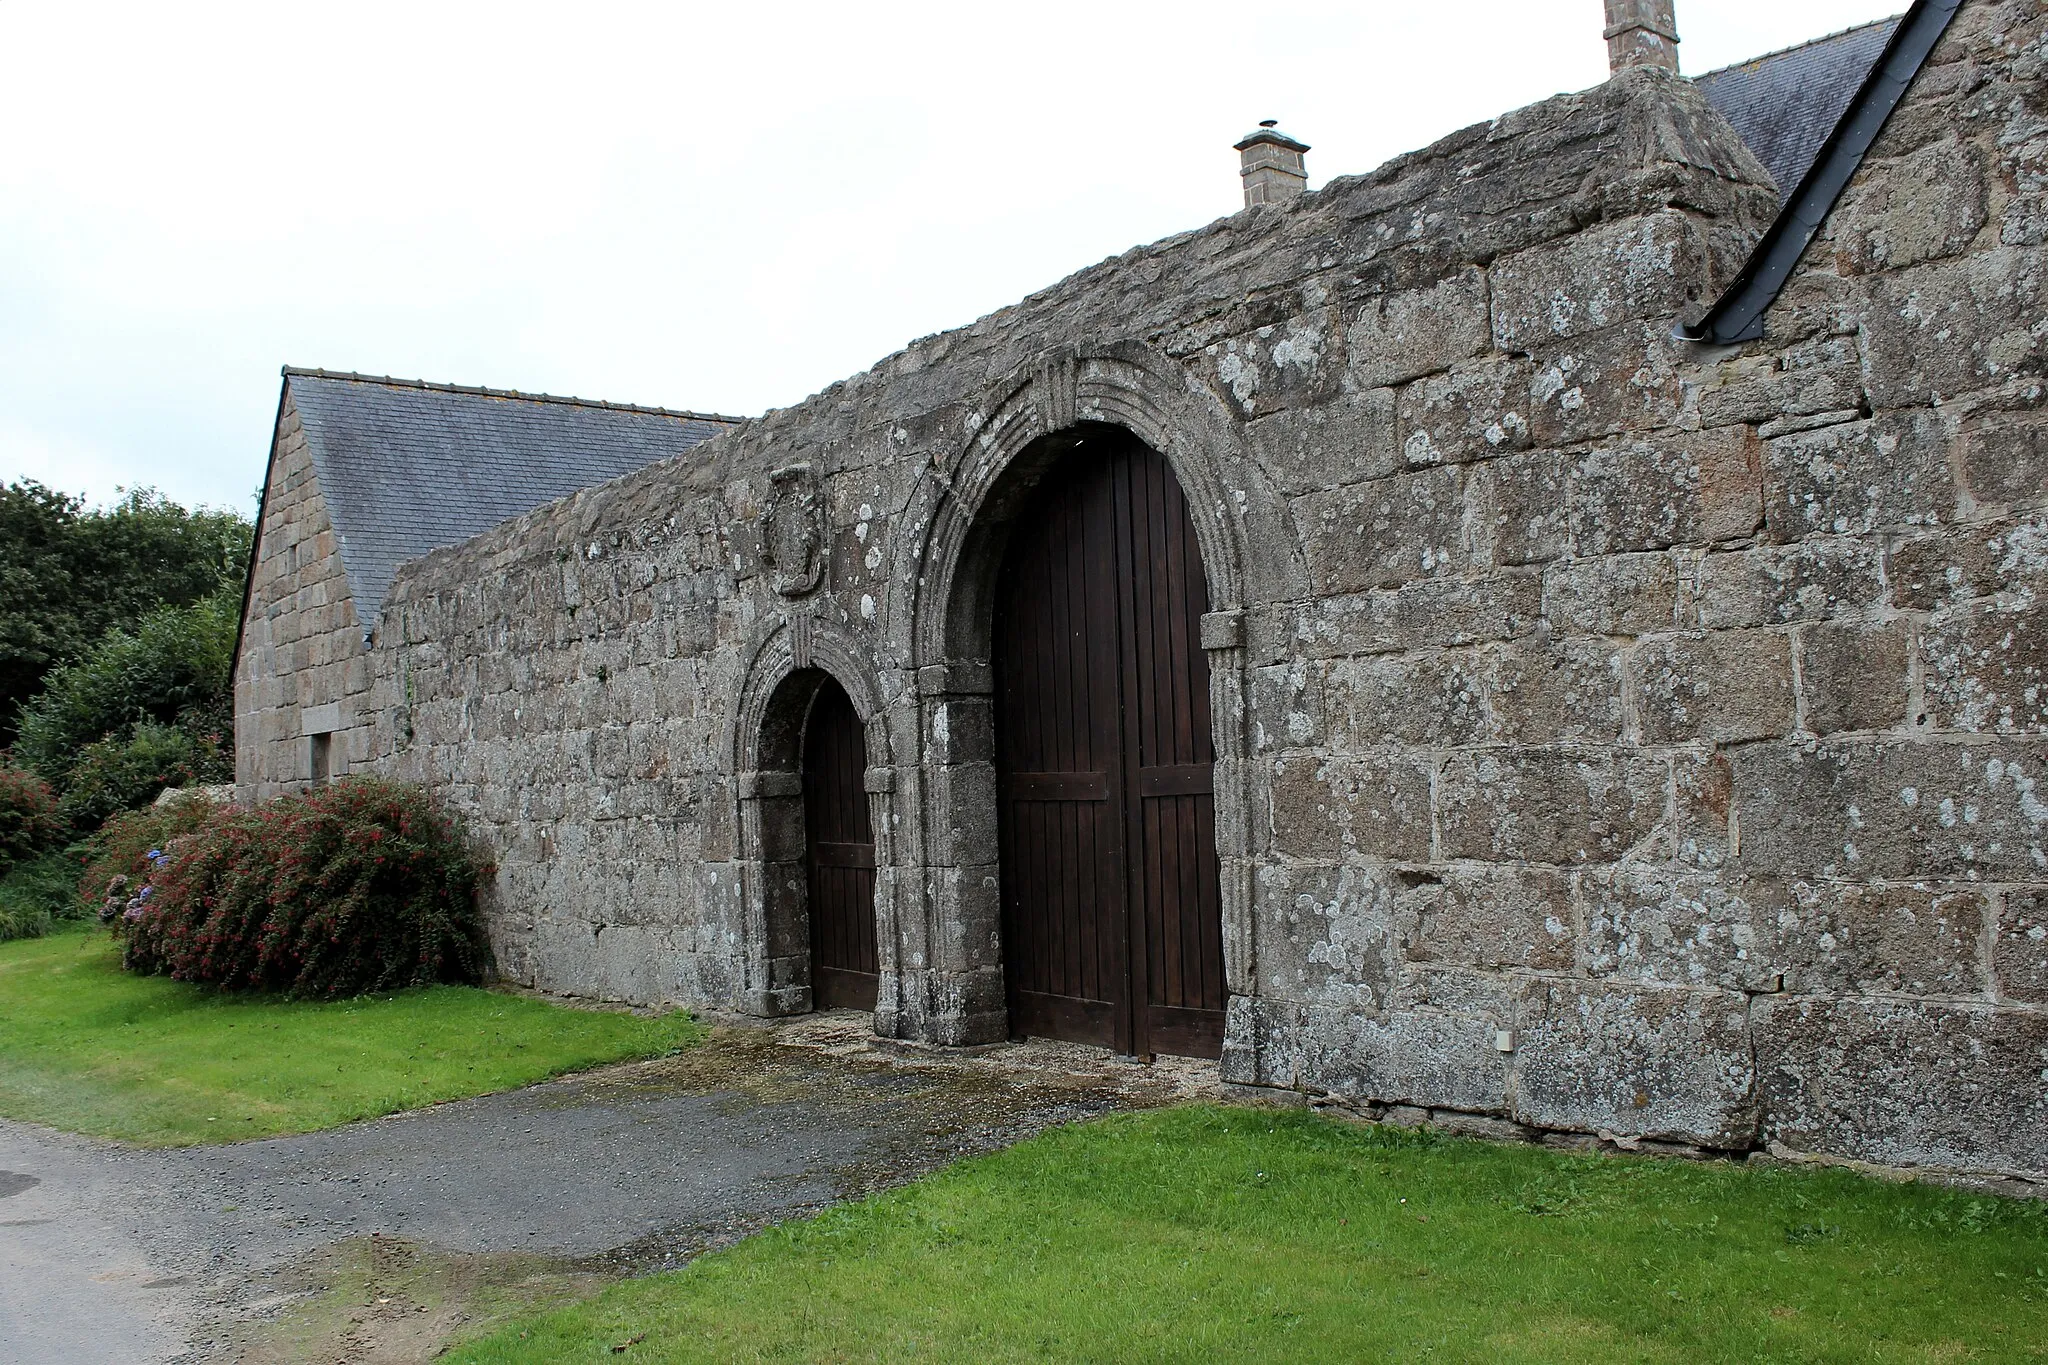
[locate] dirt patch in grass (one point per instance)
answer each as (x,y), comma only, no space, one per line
(389,1301)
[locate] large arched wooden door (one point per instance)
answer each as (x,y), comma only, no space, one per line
(841,854)
(1112,918)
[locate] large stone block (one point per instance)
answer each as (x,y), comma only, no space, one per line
(1697,488)
(1987,670)
(1408,334)
(1262,1043)
(1490,919)
(2005,453)
(1890,472)
(1416,1057)
(1893,810)
(1612,595)
(1812,376)
(603,962)
(1434,613)
(1624,379)
(1436,699)
(1723,686)
(1774,585)
(2020,951)
(1948,567)
(1473,412)
(1555,691)
(1527,505)
(1905,1083)
(1639,1061)
(1650,924)
(1703,799)
(1288,705)
(1386,532)
(1643,268)
(1910,209)
(1349,440)
(1291,364)
(1951,327)
(1563,806)
(1853,675)
(1325,935)
(1375,804)
(1891,938)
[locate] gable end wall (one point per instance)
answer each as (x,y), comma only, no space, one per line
(303,667)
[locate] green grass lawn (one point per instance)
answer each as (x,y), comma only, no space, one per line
(88,1047)
(1230,1234)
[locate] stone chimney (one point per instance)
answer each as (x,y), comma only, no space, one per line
(1273,169)
(1641,33)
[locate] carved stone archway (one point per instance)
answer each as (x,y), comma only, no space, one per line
(788,662)
(959,523)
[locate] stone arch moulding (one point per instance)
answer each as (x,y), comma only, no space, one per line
(787,663)
(1250,557)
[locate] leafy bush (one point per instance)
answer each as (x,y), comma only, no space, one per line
(172,669)
(37,893)
(131,768)
(29,822)
(69,574)
(358,886)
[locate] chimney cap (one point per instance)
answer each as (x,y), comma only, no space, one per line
(1268,131)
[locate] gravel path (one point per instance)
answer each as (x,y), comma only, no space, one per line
(117,1254)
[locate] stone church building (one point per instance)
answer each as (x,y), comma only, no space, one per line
(1543,634)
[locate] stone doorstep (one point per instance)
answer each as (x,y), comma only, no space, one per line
(848,1034)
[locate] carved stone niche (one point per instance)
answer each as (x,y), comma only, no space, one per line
(793,531)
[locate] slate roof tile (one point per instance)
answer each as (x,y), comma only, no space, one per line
(408,467)
(1784,104)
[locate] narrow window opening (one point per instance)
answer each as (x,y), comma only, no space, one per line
(323,758)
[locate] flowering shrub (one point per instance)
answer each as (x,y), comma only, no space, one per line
(358,886)
(29,823)
(117,860)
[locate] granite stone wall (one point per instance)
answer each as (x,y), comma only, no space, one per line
(1615,737)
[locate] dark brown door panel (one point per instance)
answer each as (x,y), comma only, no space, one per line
(1111,916)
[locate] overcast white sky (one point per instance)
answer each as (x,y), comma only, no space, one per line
(713,206)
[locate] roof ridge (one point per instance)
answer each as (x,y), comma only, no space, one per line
(478,391)
(1810,42)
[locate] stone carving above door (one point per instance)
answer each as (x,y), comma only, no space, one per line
(793,531)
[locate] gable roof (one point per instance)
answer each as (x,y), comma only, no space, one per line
(1784,104)
(407,467)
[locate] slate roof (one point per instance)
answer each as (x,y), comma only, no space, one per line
(407,467)
(1784,104)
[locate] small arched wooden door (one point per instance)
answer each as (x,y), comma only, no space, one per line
(840,854)
(1112,916)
